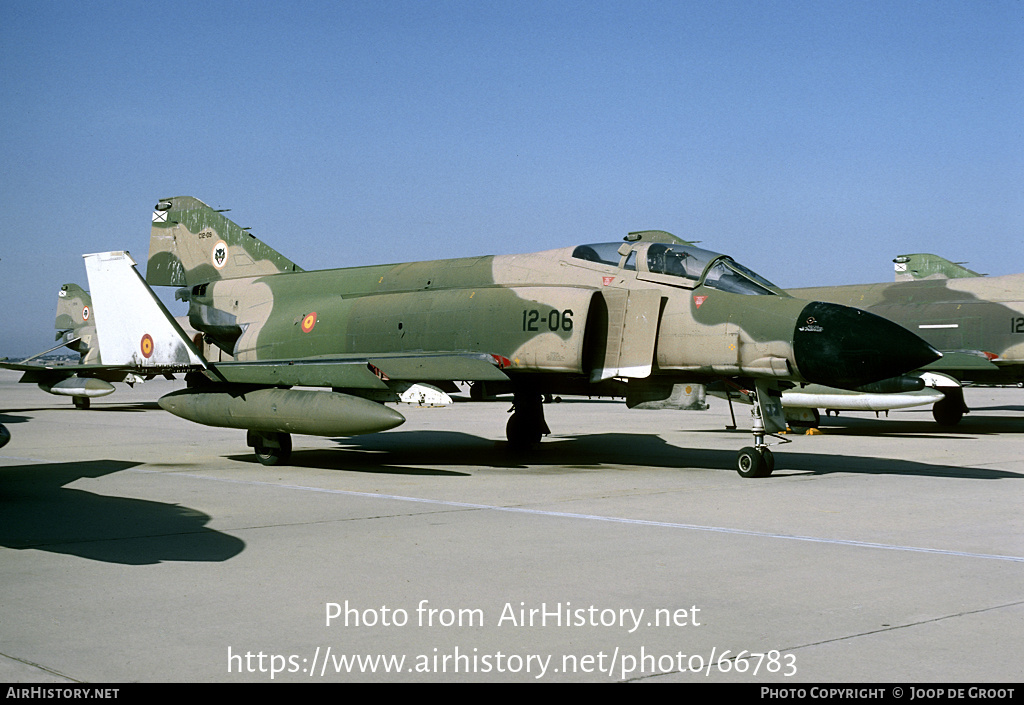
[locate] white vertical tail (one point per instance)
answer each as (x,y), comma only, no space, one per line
(134,328)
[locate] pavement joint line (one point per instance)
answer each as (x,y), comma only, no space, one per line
(895,627)
(608,519)
(41,667)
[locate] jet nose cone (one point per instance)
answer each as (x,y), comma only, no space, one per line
(845,347)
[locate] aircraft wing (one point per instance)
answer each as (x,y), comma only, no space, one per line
(40,371)
(357,372)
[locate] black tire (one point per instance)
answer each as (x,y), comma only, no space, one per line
(521,433)
(275,456)
(949,410)
(80,402)
(751,463)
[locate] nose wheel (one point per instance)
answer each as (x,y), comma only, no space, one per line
(751,462)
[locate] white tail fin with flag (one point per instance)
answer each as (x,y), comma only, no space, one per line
(136,328)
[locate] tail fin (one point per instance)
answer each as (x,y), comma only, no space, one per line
(135,328)
(76,323)
(191,243)
(928,266)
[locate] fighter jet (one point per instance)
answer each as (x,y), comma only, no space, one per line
(76,330)
(976,321)
(653,317)
(90,377)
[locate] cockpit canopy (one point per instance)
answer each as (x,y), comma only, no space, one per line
(678,265)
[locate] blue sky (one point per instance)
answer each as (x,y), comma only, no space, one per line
(813,141)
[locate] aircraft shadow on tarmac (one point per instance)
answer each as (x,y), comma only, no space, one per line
(6,418)
(443,452)
(40,513)
(93,409)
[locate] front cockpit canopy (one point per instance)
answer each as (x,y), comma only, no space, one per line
(679,265)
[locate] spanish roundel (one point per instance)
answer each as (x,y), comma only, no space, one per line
(146,346)
(308,322)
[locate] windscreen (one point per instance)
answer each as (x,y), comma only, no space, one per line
(727,275)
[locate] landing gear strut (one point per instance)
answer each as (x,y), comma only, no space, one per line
(271,448)
(759,461)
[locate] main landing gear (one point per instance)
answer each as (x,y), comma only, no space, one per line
(951,408)
(526,425)
(271,448)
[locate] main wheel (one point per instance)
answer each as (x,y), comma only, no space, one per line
(522,431)
(80,402)
(752,463)
(274,456)
(949,410)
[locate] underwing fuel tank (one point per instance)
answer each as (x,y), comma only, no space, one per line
(839,346)
(79,387)
(270,410)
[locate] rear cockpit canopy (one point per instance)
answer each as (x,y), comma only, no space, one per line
(678,265)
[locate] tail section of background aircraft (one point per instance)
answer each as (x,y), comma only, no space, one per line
(928,266)
(76,323)
(191,243)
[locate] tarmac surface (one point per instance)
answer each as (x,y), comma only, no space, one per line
(136,546)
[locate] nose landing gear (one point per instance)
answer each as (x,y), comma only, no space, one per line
(768,417)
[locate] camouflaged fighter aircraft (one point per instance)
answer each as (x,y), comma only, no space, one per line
(653,316)
(976,321)
(76,330)
(90,377)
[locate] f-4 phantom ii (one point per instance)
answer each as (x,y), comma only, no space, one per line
(653,316)
(90,377)
(976,321)
(76,330)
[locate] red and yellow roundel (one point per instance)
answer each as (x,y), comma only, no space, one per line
(146,346)
(308,322)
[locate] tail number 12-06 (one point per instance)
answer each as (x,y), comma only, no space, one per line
(534,322)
